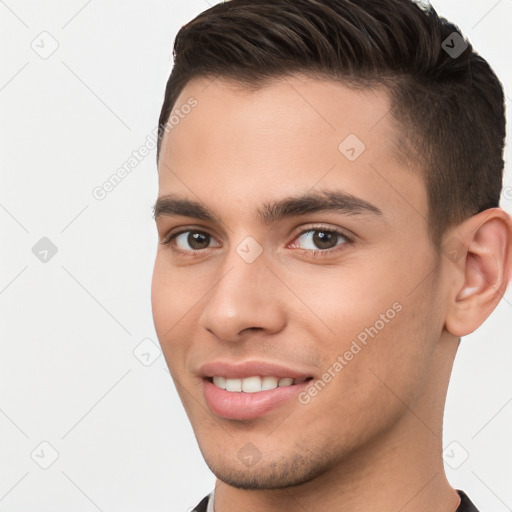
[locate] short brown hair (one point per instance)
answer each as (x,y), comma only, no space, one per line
(450,107)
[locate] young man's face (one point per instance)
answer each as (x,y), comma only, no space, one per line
(363,316)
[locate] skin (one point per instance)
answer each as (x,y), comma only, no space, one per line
(372,437)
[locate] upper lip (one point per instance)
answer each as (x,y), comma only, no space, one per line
(245,369)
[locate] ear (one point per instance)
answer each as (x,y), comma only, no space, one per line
(479,253)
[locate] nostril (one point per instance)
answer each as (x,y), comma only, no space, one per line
(251,329)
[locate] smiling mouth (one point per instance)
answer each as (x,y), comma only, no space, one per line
(254,384)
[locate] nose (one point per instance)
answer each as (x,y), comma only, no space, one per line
(245,297)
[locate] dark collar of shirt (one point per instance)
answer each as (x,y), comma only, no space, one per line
(466,505)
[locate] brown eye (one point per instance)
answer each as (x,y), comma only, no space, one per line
(325,239)
(321,239)
(198,240)
(190,241)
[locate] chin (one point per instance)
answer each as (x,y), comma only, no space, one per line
(296,469)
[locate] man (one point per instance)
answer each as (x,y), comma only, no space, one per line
(329,226)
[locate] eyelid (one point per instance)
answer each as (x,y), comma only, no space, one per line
(168,238)
(324,227)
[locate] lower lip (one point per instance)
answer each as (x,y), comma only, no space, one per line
(234,405)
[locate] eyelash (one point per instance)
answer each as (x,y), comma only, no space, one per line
(315,253)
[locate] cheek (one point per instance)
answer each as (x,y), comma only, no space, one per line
(385,292)
(161,300)
(174,293)
(381,331)
(170,303)
(370,380)
(353,300)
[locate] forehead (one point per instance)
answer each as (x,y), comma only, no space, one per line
(309,106)
(292,134)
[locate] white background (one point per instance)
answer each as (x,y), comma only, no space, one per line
(68,374)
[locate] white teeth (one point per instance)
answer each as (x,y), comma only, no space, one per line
(234,385)
(268,383)
(254,384)
(220,382)
(251,384)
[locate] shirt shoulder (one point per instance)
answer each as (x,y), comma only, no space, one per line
(466,505)
(202,506)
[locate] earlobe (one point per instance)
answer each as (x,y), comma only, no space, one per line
(485,270)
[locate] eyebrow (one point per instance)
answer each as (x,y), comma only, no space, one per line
(337,201)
